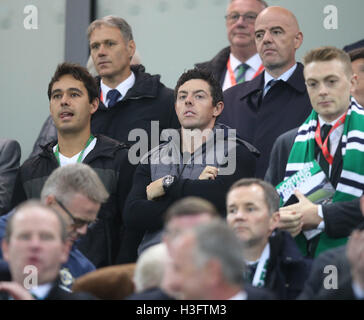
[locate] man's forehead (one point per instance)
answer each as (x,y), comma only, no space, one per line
(195,85)
(32,216)
(323,69)
(245,5)
(105,32)
(68,81)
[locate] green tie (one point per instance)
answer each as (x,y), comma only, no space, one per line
(241,71)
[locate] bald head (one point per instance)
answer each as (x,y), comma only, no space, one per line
(277,36)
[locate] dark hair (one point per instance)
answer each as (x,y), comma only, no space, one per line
(270,194)
(190,206)
(215,88)
(356,54)
(79,73)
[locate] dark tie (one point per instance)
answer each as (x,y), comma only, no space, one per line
(241,71)
(323,162)
(113,96)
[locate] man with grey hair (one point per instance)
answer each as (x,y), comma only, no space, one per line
(205,270)
(129,97)
(76,192)
(272,256)
(35,246)
(240,61)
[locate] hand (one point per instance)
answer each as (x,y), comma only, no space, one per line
(290,221)
(355,254)
(307,209)
(155,189)
(15,290)
(209,173)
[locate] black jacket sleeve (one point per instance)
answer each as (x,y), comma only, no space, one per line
(139,212)
(341,218)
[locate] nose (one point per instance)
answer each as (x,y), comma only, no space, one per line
(34,242)
(322,90)
(267,38)
(64,100)
(101,51)
(241,21)
(240,214)
(189,99)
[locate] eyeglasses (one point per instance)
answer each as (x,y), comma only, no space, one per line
(76,222)
(235,16)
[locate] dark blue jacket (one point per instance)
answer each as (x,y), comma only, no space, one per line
(287,269)
(260,120)
(76,266)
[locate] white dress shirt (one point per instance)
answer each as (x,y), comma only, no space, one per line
(253,62)
(123,88)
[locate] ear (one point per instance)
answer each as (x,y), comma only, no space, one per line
(212,273)
(49,200)
(298,40)
(94,105)
(274,221)
(131,48)
(353,83)
(66,248)
(5,250)
(218,109)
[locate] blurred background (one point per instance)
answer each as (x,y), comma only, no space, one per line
(171,35)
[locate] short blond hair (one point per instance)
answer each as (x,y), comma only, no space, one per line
(328,53)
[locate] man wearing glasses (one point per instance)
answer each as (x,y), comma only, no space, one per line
(275,101)
(239,62)
(76,192)
(73,97)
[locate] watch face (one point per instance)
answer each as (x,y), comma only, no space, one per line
(169,180)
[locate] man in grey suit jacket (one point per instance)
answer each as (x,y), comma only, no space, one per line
(9,164)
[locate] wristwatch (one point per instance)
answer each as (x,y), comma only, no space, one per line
(167,182)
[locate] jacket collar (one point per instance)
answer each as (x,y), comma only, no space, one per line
(296,81)
(105,147)
(145,86)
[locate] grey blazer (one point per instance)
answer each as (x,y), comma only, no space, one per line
(9,164)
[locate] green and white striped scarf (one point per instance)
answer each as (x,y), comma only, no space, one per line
(351,181)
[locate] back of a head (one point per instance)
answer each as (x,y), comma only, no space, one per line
(66,181)
(212,241)
(150,267)
(190,206)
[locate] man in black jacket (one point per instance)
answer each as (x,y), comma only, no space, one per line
(240,61)
(73,99)
(202,159)
(277,100)
(272,256)
(133,103)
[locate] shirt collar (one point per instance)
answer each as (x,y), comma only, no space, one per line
(241,295)
(284,76)
(253,62)
(41,291)
(123,87)
(332,123)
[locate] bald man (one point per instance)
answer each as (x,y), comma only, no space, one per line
(277,100)
(240,61)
